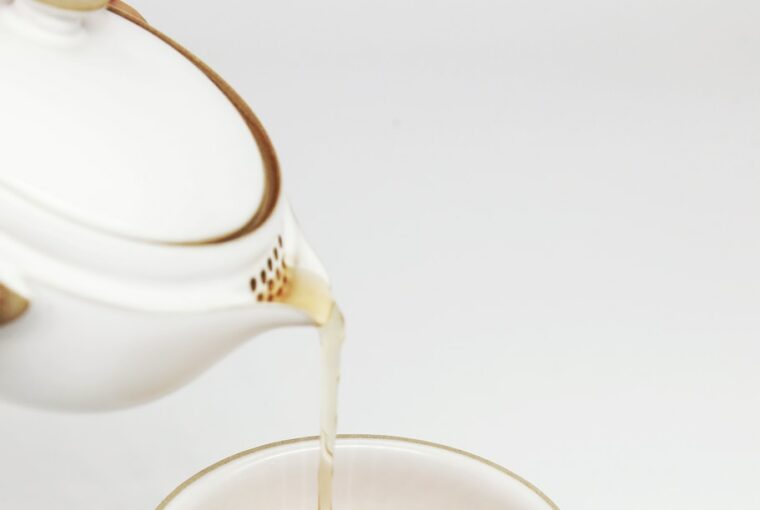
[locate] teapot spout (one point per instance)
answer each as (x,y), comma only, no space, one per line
(303,256)
(308,288)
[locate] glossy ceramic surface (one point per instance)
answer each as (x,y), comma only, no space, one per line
(139,198)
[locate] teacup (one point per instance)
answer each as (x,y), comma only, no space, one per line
(371,473)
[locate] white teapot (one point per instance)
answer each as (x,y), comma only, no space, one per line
(143,229)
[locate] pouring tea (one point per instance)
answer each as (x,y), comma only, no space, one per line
(144,234)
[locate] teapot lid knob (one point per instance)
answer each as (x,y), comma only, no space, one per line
(76,5)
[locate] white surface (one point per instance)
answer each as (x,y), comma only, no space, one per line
(374,474)
(541,218)
(108,125)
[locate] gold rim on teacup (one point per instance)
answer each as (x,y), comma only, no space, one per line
(311,439)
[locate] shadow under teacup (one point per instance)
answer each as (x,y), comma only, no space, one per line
(371,473)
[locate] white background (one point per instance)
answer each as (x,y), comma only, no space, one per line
(541,219)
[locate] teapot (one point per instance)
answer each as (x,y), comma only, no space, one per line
(144,233)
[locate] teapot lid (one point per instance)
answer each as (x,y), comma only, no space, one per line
(111,124)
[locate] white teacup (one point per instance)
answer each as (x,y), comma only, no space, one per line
(371,473)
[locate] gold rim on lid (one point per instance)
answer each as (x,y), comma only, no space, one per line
(266,149)
(76,5)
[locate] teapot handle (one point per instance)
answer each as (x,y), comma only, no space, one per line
(14,295)
(12,305)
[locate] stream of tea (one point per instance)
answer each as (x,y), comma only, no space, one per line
(332,334)
(311,294)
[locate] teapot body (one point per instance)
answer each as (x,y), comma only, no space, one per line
(143,229)
(69,353)
(141,319)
